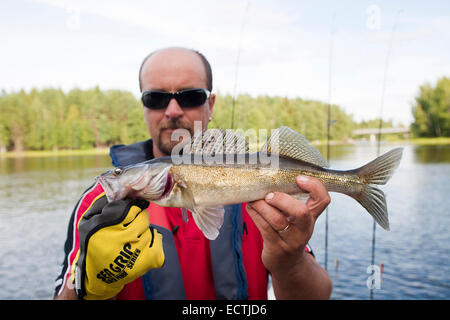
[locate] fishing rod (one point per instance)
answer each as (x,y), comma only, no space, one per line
(380,126)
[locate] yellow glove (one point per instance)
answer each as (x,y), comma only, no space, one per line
(117,246)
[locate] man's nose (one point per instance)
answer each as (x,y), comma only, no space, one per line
(173,109)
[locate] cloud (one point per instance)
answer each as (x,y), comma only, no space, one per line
(284,50)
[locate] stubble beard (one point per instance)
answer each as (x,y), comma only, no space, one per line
(166,146)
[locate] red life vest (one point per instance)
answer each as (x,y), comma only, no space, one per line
(229,267)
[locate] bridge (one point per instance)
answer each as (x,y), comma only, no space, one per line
(373,132)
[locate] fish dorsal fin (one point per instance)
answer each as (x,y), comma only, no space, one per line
(216,141)
(290,144)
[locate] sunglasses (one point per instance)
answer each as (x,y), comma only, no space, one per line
(189,98)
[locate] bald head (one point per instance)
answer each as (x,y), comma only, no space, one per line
(174,70)
(176,53)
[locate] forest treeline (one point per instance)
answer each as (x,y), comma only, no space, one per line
(51,119)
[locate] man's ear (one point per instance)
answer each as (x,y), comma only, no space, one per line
(212,101)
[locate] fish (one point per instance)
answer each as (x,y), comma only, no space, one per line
(215,169)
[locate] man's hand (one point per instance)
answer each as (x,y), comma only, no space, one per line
(116,247)
(286,225)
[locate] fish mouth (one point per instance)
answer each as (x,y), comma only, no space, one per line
(111,195)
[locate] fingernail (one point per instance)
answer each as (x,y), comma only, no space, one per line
(269,196)
(302,178)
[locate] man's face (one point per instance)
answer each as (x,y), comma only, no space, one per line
(172,70)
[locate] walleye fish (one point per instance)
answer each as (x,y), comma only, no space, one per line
(216,169)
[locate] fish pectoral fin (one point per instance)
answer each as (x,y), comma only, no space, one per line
(303,196)
(209,220)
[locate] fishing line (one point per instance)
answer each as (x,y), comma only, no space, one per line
(380,126)
(236,70)
(329,122)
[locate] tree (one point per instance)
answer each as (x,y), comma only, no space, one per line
(49,119)
(431,110)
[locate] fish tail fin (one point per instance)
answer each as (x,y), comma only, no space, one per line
(374,201)
(378,171)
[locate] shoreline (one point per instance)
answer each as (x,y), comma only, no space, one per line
(104,151)
(54,153)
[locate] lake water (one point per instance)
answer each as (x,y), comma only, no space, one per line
(37,196)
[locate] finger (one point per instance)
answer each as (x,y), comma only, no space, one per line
(137,222)
(294,210)
(136,230)
(274,217)
(141,223)
(131,213)
(264,227)
(319,197)
(274,225)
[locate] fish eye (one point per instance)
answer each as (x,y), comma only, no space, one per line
(118,171)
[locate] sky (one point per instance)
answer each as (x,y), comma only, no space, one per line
(333,51)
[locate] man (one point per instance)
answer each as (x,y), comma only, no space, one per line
(268,235)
